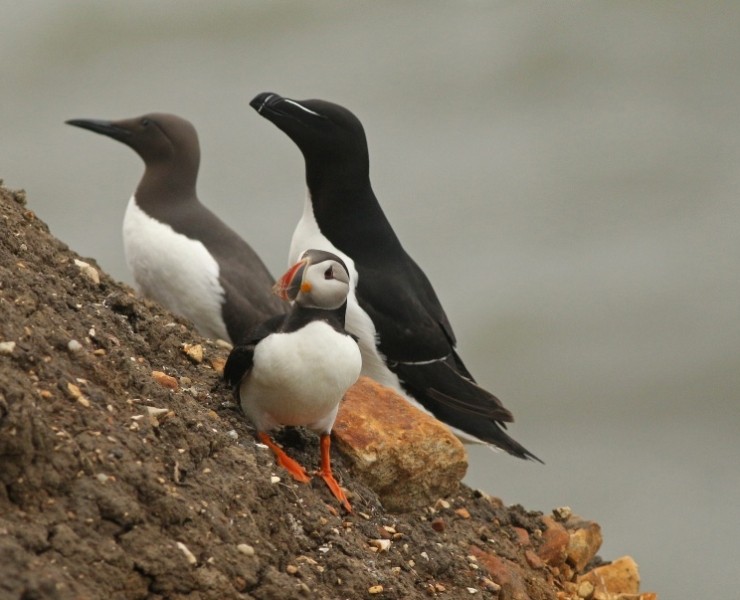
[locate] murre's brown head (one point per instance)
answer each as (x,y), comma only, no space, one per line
(159,138)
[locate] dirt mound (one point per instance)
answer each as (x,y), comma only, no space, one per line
(126,470)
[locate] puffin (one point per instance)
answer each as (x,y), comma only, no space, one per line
(294,369)
(406,339)
(179,253)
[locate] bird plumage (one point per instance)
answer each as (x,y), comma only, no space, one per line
(179,252)
(405,336)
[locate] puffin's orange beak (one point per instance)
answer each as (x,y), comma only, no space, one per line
(290,284)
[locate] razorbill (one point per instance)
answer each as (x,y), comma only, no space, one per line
(407,341)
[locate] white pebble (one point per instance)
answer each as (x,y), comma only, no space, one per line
(74,346)
(189,556)
(7,347)
(88,271)
(246,549)
(233,434)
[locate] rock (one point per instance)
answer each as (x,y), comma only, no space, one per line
(88,271)
(74,346)
(583,545)
(555,541)
(376,428)
(194,352)
(189,556)
(165,380)
(618,577)
(7,348)
(503,572)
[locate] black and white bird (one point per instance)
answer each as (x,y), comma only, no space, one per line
(179,253)
(406,340)
(296,368)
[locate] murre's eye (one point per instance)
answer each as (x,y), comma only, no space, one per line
(329,273)
(145,122)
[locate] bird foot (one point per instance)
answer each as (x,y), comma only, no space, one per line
(335,489)
(290,465)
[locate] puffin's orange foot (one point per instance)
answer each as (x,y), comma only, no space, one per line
(326,474)
(337,491)
(291,466)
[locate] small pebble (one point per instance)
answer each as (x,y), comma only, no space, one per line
(274,479)
(463,513)
(194,352)
(291,570)
(380,545)
(74,346)
(233,434)
(585,589)
(164,380)
(246,549)
(375,589)
(7,348)
(562,512)
(189,556)
(471,590)
(88,271)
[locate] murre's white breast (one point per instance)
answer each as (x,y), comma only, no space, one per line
(174,270)
(299,378)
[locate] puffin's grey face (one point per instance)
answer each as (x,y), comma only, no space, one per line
(319,280)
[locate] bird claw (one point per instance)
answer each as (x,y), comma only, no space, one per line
(335,489)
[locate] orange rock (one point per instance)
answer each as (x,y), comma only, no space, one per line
(618,577)
(555,541)
(407,457)
(504,572)
(522,536)
(533,560)
(583,545)
(164,380)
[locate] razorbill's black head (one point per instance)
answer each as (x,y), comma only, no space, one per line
(407,341)
(295,369)
(180,254)
(330,137)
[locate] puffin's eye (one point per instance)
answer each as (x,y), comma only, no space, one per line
(329,273)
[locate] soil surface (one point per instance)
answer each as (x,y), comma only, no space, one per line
(116,483)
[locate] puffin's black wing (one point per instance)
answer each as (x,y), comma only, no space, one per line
(240,359)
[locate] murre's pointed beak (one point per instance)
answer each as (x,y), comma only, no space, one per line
(291,283)
(108,128)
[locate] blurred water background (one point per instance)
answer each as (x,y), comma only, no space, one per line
(565,172)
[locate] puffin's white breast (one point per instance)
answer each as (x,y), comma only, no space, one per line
(174,270)
(299,378)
